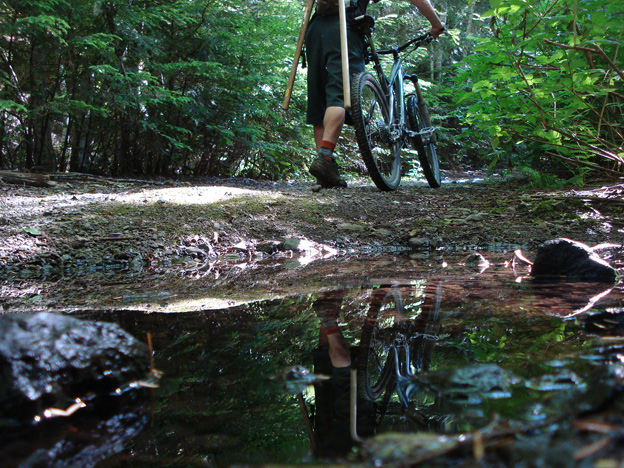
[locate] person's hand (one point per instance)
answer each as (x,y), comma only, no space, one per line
(436,31)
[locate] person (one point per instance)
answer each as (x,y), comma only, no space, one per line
(333,358)
(326,112)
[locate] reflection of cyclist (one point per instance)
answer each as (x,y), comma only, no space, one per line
(325,94)
(333,358)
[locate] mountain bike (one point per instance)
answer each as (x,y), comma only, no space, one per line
(386,120)
(395,347)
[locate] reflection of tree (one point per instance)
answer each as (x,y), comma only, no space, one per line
(215,400)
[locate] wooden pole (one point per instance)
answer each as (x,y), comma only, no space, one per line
(344,50)
(293,71)
(353,407)
(306,420)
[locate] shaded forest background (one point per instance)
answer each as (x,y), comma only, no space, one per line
(194,87)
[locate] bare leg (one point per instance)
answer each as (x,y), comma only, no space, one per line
(339,352)
(332,126)
(338,348)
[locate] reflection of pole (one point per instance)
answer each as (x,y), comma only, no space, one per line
(295,64)
(353,406)
(344,51)
(306,420)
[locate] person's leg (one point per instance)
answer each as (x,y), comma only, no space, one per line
(330,335)
(319,129)
(326,135)
(332,126)
(339,352)
(324,167)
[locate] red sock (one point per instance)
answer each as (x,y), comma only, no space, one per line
(327,150)
(328,144)
(331,330)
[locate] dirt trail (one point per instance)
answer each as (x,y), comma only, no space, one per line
(57,236)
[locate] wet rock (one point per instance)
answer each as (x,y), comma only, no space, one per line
(561,379)
(297,245)
(567,258)
(395,449)
(425,243)
(477,261)
(471,384)
(82,442)
(541,450)
(292,243)
(268,247)
(50,360)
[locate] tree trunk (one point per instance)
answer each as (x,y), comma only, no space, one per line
(26,178)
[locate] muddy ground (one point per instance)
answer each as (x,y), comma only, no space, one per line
(85,234)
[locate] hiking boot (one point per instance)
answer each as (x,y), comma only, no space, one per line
(327,173)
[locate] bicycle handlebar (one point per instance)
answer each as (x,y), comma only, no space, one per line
(419,41)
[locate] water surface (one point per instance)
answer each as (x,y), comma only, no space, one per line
(484,345)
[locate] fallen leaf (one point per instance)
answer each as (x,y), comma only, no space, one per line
(32,231)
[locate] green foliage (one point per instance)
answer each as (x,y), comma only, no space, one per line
(151,87)
(168,87)
(547,180)
(549,79)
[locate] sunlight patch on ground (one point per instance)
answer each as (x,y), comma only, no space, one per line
(192,195)
(179,195)
(195,304)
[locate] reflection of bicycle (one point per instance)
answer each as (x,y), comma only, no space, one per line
(397,339)
(386,120)
(395,347)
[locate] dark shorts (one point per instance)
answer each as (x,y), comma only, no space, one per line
(333,406)
(325,64)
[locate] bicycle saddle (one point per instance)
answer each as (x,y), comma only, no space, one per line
(365,24)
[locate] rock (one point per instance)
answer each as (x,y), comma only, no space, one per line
(567,258)
(86,442)
(49,360)
(268,247)
(351,227)
(477,261)
(291,243)
(297,245)
(475,217)
(419,243)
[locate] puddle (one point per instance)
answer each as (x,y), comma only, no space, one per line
(478,355)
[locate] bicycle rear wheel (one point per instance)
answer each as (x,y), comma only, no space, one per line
(424,144)
(371,118)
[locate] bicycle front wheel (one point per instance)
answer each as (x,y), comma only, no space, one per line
(380,149)
(378,359)
(424,142)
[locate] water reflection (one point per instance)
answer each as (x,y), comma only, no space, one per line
(473,355)
(84,439)
(411,373)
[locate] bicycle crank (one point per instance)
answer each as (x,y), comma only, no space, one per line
(427,134)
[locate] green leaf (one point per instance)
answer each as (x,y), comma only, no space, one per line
(31,230)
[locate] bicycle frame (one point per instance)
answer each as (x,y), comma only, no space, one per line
(394,86)
(387,119)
